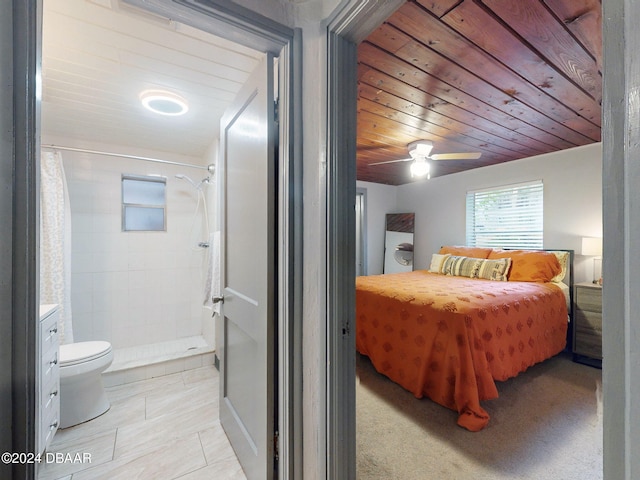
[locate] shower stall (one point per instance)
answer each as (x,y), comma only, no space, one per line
(141,274)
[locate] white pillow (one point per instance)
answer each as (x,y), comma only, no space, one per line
(563,258)
(437,261)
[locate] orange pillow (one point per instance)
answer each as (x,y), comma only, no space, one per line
(473,252)
(529,265)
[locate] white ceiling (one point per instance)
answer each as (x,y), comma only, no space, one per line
(99,55)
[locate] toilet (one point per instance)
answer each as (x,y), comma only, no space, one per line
(82,395)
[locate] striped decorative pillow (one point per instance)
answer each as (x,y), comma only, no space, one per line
(495,269)
(461,266)
(477,268)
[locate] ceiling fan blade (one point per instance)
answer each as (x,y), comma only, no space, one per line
(392,161)
(456,156)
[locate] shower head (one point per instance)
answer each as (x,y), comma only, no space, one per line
(195,185)
(184,177)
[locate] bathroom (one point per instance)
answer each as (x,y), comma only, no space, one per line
(144,290)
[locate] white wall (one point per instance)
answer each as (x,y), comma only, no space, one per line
(133,288)
(572,202)
(380,200)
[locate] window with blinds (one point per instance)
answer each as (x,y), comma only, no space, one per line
(506,217)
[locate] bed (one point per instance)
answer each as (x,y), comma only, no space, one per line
(476,316)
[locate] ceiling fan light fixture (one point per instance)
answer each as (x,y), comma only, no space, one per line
(164,103)
(421,148)
(419,167)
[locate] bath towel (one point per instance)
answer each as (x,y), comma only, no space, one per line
(212,283)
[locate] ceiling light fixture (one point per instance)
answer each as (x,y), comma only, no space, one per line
(164,103)
(421,148)
(419,167)
(420,152)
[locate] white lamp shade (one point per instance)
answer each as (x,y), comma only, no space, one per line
(419,167)
(591,246)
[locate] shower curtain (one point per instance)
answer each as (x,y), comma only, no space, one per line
(55,241)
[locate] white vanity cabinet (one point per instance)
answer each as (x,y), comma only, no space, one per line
(49,414)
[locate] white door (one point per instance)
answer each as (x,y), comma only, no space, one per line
(247,354)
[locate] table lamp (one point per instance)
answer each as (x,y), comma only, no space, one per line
(592,247)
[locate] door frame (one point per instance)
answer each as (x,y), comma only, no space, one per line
(348,27)
(621,228)
(26,55)
(234,23)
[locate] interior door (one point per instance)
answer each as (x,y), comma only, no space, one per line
(247,353)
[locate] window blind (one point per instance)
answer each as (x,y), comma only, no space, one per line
(506,217)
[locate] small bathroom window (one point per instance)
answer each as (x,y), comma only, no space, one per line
(143,203)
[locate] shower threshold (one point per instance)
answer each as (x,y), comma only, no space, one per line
(141,362)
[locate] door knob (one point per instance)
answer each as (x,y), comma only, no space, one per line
(217,299)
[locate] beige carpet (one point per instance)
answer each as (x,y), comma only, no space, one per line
(546,424)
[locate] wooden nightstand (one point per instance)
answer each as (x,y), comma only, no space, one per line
(587,328)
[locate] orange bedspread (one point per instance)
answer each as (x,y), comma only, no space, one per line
(449,338)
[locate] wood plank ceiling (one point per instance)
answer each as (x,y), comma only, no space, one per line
(509,79)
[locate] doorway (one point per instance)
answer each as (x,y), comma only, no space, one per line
(342,62)
(239,25)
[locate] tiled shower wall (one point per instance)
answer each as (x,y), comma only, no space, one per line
(134,288)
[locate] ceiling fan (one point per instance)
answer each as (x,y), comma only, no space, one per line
(419,152)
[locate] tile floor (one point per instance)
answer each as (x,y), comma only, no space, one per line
(163,428)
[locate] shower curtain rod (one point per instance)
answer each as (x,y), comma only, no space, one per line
(134,157)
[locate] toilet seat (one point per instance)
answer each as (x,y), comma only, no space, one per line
(81,352)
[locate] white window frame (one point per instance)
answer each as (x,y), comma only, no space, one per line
(516,220)
(149,206)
